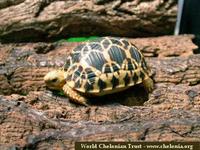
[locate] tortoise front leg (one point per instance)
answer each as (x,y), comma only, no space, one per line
(75,96)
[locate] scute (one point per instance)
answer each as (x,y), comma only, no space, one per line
(78,84)
(114,81)
(96,59)
(68,63)
(135,54)
(76,56)
(104,66)
(106,43)
(117,54)
(110,68)
(87,87)
(85,50)
(116,41)
(126,44)
(95,46)
(142,75)
(101,84)
(127,79)
(135,77)
(131,65)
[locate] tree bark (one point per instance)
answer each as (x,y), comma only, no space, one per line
(23,66)
(42,120)
(32,117)
(39,20)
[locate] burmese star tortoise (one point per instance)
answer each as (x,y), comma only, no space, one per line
(103,66)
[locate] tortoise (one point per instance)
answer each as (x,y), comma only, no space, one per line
(99,67)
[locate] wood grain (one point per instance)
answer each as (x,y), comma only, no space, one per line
(32,117)
(39,20)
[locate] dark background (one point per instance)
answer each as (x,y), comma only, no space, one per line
(190,22)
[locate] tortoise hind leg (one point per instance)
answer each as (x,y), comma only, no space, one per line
(75,96)
(148,84)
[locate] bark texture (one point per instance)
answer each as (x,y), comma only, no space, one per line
(23,66)
(34,118)
(39,20)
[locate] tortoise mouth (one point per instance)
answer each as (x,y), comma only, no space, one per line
(51,88)
(55,86)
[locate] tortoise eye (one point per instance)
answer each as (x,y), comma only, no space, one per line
(54,80)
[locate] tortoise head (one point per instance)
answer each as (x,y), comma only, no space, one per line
(55,79)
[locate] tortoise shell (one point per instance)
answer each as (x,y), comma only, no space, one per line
(105,66)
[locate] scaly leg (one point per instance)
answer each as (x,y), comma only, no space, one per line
(75,96)
(148,84)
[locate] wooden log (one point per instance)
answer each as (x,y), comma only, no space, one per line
(39,20)
(166,46)
(42,120)
(32,117)
(23,66)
